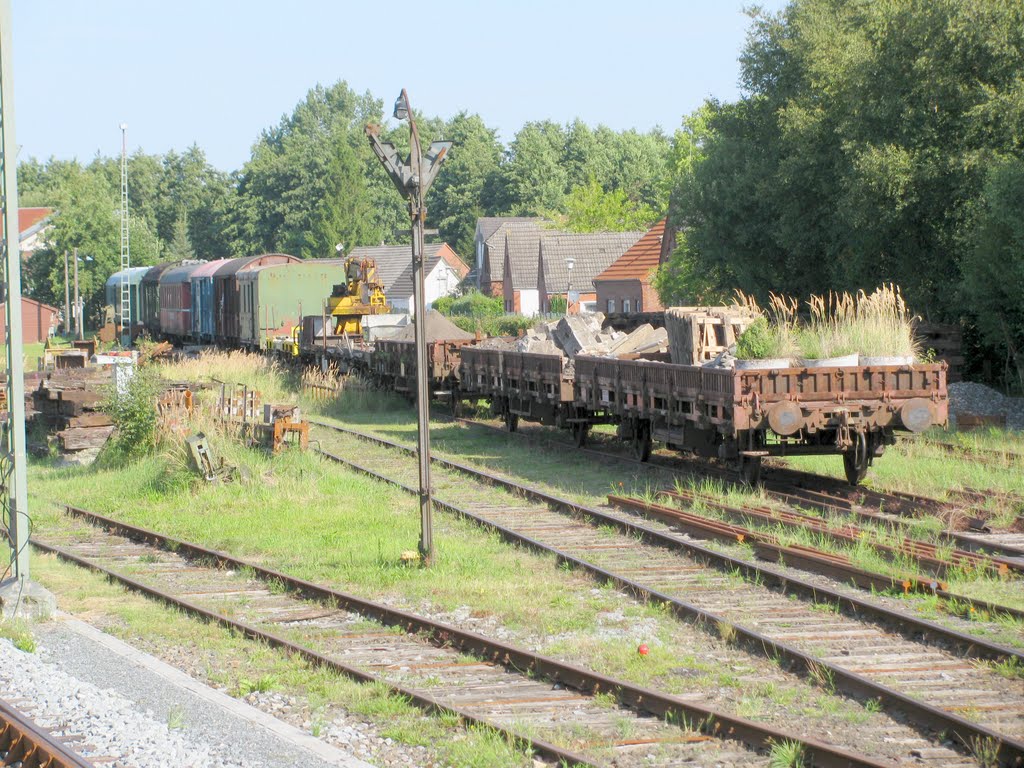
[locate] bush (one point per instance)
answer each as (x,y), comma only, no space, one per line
(505,325)
(757,342)
(471,304)
(133,409)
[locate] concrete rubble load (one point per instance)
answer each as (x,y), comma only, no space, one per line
(582,334)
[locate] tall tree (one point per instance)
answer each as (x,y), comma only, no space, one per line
(535,178)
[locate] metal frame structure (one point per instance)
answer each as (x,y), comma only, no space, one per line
(126,262)
(12,451)
(413,178)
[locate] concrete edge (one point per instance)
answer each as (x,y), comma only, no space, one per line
(241,709)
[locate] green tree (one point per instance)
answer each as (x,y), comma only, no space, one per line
(993,268)
(180,247)
(535,179)
(589,208)
(458,198)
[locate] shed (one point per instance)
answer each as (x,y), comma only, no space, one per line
(38,321)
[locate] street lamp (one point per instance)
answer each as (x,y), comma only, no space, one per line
(413,178)
(79,331)
(570,262)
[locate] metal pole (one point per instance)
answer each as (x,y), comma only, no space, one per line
(78,302)
(67,297)
(418,213)
(14,444)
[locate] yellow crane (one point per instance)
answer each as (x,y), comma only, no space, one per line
(361,294)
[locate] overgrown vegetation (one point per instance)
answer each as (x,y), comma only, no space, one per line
(131,403)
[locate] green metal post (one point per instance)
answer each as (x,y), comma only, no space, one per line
(14,442)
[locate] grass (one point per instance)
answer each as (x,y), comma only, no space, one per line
(19,633)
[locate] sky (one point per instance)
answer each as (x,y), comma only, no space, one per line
(218,72)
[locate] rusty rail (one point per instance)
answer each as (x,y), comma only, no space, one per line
(23,743)
(1011,750)
(674,709)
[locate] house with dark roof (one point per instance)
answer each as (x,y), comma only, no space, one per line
(625,286)
(567,263)
(519,278)
(33,227)
(490,248)
(444,271)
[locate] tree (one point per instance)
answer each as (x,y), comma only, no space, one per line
(180,247)
(534,178)
(458,196)
(589,208)
(993,268)
(287,198)
(860,148)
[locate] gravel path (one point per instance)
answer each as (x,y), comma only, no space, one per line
(118,708)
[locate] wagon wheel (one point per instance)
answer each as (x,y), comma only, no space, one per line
(580,429)
(750,470)
(857,459)
(642,441)
(511,421)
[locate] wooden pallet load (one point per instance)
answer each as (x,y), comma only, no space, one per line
(699,334)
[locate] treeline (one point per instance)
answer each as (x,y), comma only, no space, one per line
(312,182)
(874,142)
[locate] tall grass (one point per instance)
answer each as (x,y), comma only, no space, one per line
(773,333)
(876,324)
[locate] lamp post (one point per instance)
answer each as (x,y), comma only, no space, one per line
(413,178)
(79,330)
(67,297)
(570,262)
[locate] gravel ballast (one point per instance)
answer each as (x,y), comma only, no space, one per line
(116,707)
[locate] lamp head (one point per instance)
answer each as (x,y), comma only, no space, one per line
(402,106)
(570,263)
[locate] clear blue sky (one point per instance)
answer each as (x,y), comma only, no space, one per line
(218,72)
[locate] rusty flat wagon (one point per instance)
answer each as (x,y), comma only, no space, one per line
(394,365)
(534,386)
(745,415)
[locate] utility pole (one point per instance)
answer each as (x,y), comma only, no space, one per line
(78,302)
(15,479)
(126,262)
(67,297)
(413,178)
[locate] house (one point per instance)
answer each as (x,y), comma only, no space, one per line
(589,254)
(33,227)
(38,321)
(625,286)
(394,261)
(520,284)
(442,274)
(491,261)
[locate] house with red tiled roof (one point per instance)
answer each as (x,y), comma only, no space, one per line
(33,224)
(625,286)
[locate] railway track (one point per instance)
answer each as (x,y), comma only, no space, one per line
(864,649)
(832,496)
(24,744)
(974,452)
(560,711)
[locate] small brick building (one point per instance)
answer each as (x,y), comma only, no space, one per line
(37,320)
(625,287)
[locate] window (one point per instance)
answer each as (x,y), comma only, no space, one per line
(638,306)
(611,306)
(625,306)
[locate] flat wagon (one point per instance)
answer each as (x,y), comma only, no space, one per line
(394,365)
(745,415)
